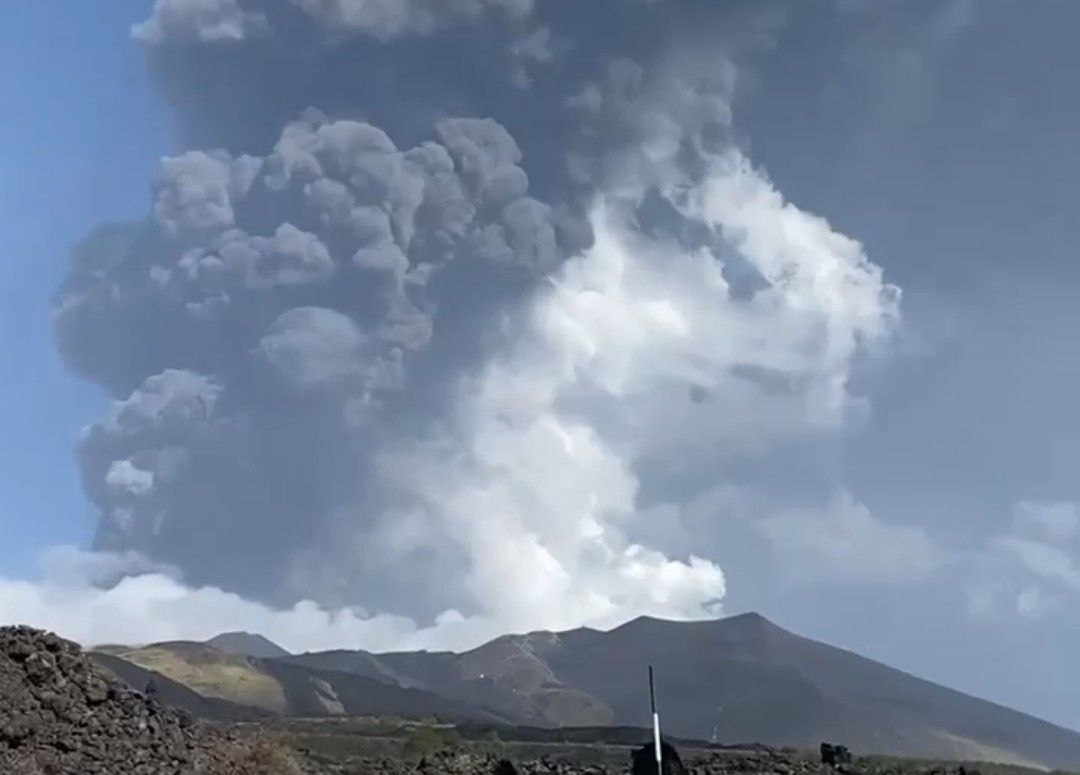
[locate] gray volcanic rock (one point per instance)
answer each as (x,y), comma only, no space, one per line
(59,714)
(756,760)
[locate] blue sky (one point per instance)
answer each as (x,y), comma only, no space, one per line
(80,133)
(935,525)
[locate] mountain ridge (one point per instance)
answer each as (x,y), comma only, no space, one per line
(248,685)
(741,678)
(738,678)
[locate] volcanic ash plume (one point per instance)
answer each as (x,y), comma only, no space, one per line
(432,341)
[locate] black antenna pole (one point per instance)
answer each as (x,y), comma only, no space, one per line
(655,725)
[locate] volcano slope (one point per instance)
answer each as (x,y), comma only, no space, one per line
(61,715)
(175,694)
(737,679)
(239,686)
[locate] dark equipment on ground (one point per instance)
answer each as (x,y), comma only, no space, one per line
(833,755)
(504,767)
(644,760)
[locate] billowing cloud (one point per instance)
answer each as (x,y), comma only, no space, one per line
(388,19)
(1032,568)
(1044,560)
(205,21)
(426,361)
(97,598)
(845,542)
(311,348)
(224,21)
(1058,521)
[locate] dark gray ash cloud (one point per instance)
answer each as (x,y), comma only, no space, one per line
(446,309)
(307,276)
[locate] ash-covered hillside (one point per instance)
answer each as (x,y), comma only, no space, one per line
(740,679)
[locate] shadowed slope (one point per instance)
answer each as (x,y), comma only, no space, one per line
(740,679)
(174,694)
(276,687)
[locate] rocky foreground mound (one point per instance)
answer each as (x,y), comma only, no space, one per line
(59,715)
